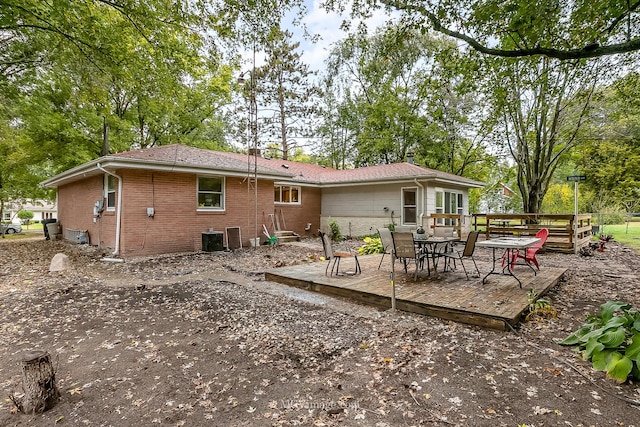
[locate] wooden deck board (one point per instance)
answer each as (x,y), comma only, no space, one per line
(449,295)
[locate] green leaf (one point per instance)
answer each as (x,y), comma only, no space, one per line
(613,337)
(619,367)
(610,307)
(576,337)
(592,348)
(596,333)
(633,350)
(601,360)
(616,321)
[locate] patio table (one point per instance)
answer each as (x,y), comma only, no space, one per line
(431,243)
(509,244)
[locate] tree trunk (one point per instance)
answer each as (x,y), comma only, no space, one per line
(39,383)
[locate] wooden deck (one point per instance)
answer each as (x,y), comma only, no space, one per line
(448,295)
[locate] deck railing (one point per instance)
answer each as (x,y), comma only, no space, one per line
(451,221)
(562,233)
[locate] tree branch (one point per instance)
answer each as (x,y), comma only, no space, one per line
(592,50)
(614,24)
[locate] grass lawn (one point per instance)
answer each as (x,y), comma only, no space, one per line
(27,231)
(630,237)
(32,226)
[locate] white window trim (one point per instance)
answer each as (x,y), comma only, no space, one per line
(443,208)
(402,206)
(106,193)
(223,201)
(289,186)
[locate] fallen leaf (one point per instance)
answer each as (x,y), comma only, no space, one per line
(76,390)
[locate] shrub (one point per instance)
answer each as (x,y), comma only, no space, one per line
(335,234)
(611,340)
(539,307)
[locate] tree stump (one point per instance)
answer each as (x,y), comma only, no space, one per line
(39,383)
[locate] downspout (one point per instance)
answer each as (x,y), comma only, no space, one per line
(118,210)
(423,200)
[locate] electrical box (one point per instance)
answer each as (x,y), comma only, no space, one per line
(151,212)
(98,207)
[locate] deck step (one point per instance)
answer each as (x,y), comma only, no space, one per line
(287,236)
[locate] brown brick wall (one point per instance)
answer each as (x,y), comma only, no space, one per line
(296,217)
(177,225)
(75,211)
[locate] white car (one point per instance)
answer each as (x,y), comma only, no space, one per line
(10,228)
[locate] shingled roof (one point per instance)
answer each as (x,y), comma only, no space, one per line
(181,157)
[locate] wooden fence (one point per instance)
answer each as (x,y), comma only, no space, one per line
(562,237)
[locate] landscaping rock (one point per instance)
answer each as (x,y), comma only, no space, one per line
(60,262)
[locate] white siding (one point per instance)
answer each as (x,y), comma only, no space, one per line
(358,201)
(360,210)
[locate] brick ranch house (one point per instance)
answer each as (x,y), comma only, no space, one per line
(162,199)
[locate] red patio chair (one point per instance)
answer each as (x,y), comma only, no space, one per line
(529,254)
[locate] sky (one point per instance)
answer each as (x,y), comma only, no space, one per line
(327,26)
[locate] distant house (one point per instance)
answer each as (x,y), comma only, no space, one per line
(498,198)
(162,199)
(42,209)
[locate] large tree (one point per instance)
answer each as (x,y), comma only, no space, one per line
(609,153)
(541,105)
(142,68)
(34,30)
(400,91)
(561,29)
(285,94)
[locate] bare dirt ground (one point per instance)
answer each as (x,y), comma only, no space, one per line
(202,340)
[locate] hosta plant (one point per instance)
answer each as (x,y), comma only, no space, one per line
(611,340)
(372,245)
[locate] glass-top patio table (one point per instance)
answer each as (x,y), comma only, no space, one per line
(510,245)
(431,243)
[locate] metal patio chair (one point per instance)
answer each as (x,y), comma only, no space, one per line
(331,254)
(467,252)
(387,243)
(405,249)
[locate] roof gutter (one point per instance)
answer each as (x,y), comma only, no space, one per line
(118,208)
(423,200)
(126,163)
